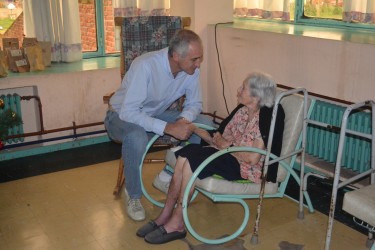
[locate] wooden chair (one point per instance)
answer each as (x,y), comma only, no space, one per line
(220,190)
(129,53)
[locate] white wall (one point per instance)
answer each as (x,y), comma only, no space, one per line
(338,69)
(69,97)
(183,8)
(204,12)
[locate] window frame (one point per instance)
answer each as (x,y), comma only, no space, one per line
(100,33)
(299,18)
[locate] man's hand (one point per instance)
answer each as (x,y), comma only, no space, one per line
(181,129)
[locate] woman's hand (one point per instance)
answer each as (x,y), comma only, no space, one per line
(203,134)
(219,142)
(251,158)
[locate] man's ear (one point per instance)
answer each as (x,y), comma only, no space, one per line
(175,56)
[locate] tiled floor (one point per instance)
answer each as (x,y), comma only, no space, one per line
(75,209)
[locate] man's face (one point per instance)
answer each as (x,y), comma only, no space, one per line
(193,58)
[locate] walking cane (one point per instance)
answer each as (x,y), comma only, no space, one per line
(254,237)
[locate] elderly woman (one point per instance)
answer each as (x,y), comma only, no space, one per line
(247,125)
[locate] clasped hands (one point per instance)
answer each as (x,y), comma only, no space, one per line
(182,130)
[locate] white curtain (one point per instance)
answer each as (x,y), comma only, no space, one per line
(265,9)
(362,11)
(55,21)
(141,7)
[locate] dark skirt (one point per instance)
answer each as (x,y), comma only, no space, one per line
(225,165)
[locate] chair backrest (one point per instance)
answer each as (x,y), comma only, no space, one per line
(294,111)
(141,34)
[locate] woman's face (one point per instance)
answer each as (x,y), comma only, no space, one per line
(244,95)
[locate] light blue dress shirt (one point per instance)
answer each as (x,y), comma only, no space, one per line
(149,88)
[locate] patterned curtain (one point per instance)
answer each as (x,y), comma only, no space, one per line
(264,9)
(55,21)
(362,11)
(128,8)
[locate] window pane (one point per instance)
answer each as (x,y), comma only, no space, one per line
(91,27)
(109,28)
(268,10)
(326,9)
(87,14)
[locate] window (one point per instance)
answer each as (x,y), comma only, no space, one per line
(96,19)
(323,9)
(97,28)
(99,36)
(11,20)
(349,13)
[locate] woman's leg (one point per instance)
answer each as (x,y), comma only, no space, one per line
(173,227)
(173,193)
(172,197)
(176,221)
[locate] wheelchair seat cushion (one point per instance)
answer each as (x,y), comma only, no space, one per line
(221,186)
(361,203)
(217,184)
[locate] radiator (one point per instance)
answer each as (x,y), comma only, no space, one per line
(323,142)
(13,102)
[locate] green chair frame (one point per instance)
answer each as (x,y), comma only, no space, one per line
(240,198)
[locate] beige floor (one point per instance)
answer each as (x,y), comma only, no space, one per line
(75,209)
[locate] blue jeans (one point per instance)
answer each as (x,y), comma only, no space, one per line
(134,141)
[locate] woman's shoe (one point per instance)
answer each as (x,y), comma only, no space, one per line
(160,236)
(148,228)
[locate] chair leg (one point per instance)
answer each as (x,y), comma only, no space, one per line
(120,178)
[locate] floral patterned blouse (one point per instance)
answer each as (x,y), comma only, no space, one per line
(242,132)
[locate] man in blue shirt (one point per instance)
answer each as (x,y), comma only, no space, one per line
(154,81)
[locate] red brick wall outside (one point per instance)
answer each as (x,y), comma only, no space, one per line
(109,24)
(88,26)
(16,30)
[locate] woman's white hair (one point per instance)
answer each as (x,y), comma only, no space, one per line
(263,86)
